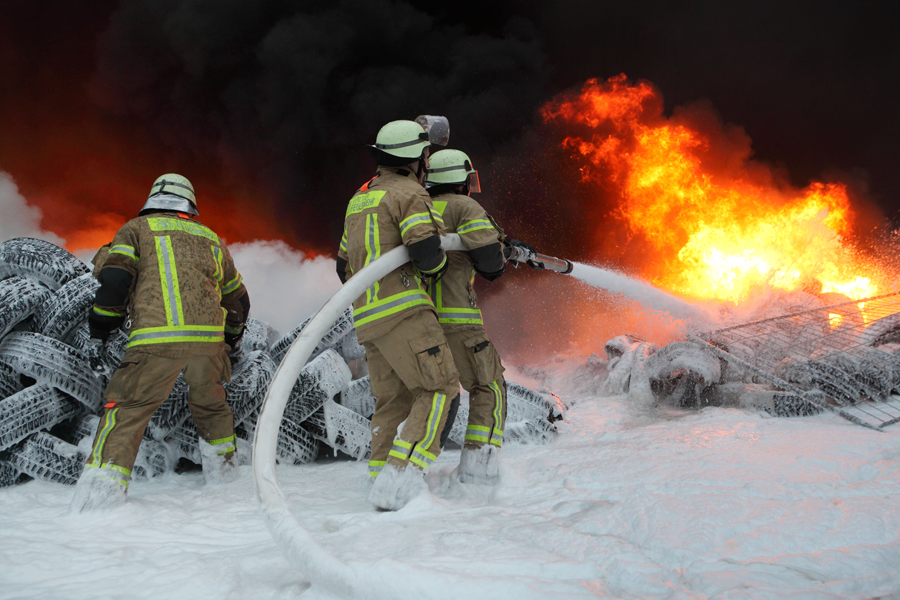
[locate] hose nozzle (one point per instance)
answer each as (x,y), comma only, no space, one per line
(539,261)
(551,263)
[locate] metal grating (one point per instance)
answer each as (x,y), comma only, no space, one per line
(844,357)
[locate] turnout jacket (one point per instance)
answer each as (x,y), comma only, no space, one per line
(175,279)
(389,210)
(454,294)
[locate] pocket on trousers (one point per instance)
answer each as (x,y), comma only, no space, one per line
(484,359)
(432,354)
(124,382)
(226,367)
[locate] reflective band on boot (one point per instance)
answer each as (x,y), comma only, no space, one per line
(229,445)
(478,433)
(400,450)
(422,458)
(112,472)
(375,467)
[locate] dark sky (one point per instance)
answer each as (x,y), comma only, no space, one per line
(266,104)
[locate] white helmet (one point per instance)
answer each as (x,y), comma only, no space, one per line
(402,139)
(172,192)
(437,128)
(452,167)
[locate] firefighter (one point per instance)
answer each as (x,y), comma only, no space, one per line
(450,180)
(411,369)
(175,282)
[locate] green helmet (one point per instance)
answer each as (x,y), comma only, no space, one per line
(452,167)
(172,192)
(402,139)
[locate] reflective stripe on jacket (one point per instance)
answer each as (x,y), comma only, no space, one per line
(454,294)
(186,289)
(390,210)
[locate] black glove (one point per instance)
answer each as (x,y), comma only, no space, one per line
(96,350)
(237,353)
(513,255)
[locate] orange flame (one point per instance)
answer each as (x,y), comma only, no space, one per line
(722,224)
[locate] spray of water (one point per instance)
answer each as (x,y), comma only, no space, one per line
(640,291)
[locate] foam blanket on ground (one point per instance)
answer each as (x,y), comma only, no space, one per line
(720,503)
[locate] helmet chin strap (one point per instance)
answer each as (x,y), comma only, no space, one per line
(421,170)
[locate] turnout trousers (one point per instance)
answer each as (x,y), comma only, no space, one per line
(413,379)
(142,382)
(480,374)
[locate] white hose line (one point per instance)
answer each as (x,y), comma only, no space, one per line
(316,563)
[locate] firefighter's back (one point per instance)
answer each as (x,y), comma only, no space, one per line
(183,270)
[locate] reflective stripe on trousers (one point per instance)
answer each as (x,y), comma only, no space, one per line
(493,435)
(420,456)
(375,467)
(115,472)
(389,306)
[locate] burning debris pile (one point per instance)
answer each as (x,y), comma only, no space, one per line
(701,218)
(843,357)
(50,398)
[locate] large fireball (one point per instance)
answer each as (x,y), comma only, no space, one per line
(722,226)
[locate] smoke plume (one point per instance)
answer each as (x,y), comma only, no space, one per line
(281,100)
(19,218)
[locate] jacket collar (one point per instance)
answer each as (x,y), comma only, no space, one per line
(401,171)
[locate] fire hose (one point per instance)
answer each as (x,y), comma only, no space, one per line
(319,565)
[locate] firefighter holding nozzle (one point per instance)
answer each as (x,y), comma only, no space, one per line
(174,280)
(450,180)
(411,370)
(420,325)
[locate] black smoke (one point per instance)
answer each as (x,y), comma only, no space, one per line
(287,94)
(276,98)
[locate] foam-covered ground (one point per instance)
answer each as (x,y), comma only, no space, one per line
(722,503)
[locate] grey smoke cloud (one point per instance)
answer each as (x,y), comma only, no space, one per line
(285,285)
(17,217)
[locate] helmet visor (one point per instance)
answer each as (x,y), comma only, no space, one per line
(438,128)
(473,182)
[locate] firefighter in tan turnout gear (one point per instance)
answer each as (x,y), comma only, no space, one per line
(174,280)
(411,369)
(450,179)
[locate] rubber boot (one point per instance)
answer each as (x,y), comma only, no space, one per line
(480,465)
(99,488)
(217,468)
(395,487)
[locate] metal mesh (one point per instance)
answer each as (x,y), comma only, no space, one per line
(844,357)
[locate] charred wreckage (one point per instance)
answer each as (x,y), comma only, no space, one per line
(843,358)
